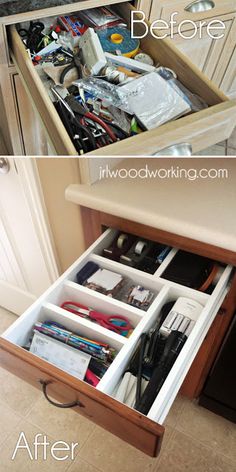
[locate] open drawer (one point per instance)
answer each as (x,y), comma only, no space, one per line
(142,431)
(201,129)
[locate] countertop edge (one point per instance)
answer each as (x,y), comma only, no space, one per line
(81,194)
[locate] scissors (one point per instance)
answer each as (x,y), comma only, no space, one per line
(118,324)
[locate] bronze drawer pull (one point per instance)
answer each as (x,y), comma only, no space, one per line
(58,405)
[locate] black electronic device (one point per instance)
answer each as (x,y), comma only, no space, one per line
(189,269)
(173,346)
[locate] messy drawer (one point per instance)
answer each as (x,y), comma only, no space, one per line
(98,403)
(200,129)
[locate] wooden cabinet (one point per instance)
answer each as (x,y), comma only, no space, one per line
(34,140)
(215,57)
(228,84)
(225,72)
(205,53)
(144,5)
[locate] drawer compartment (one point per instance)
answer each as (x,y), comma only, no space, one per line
(97,403)
(200,129)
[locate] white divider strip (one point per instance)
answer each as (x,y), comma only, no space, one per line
(182,364)
(55,287)
(125,270)
(86,327)
(113,374)
(104,298)
(165,263)
(183,291)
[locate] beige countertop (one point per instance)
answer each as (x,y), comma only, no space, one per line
(202,208)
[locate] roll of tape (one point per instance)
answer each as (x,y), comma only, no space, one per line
(118,39)
(144,58)
(121,240)
(139,248)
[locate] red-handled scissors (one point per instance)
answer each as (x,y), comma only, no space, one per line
(118,324)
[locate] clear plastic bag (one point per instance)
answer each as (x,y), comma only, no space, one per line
(103,90)
(152,100)
(195,102)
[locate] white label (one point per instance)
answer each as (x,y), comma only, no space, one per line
(65,357)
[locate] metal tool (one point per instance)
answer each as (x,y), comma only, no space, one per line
(76,63)
(81,133)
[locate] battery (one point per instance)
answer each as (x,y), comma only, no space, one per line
(189,328)
(166,326)
(182,328)
(177,322)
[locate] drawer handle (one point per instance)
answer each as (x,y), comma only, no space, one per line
(4,165)
(58,405)
(181,149)
(200,6)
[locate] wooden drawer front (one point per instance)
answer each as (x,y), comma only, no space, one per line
(207,55)
(228,84)
(98,404)
(221,7)
(200,129)
(225,71)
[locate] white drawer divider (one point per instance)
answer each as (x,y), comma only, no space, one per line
(85,327)
(132,312)
(178,372)
(123,269)
(115,371)
(165,263)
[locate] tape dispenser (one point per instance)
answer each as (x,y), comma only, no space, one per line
(137,252)
(120,245)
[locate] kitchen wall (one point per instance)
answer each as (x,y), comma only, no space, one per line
(64,217)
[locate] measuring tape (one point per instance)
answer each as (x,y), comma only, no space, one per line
(118,39)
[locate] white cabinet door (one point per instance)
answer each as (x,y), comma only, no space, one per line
(27,263)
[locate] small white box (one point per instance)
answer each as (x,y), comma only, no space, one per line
(92,52)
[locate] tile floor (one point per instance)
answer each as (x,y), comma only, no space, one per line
(225,148)
(195,440)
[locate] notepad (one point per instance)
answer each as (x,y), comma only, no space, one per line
(105,279)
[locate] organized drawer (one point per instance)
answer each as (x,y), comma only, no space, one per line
(126,303)
(199,129)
